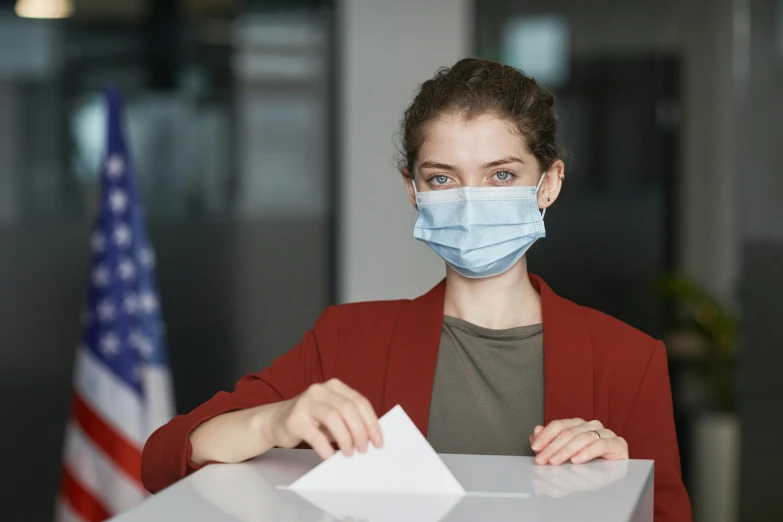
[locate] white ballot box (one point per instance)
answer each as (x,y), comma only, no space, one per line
(496,489)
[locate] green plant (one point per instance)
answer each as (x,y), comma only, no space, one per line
(696,311)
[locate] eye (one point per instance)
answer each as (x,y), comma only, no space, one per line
(440,179)
(503,176)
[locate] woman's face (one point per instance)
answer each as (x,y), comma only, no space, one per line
(481,152)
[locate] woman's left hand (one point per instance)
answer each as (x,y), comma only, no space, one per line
(577,441)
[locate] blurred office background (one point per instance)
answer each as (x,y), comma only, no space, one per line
(263,133)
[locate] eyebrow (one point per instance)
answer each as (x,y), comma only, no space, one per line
(436,165)
(452,168)
(504,161)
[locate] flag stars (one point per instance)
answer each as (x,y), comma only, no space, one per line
(118,201)
(122,235)
(115,167)
(110,345)
(101,276)
(127,269)
(142,344)
(148,303)
(147,257)
(131,304)
(106,310)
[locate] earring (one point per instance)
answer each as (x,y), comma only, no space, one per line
(547,199)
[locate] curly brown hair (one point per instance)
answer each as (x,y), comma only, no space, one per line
(473,87)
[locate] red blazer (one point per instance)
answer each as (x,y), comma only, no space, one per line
(595,367)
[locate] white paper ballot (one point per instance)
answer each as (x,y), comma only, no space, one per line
(406,464)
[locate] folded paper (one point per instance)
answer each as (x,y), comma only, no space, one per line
(406,464)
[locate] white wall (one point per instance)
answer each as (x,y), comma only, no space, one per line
(387,50)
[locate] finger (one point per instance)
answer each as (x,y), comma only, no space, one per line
(330,417)
(564,437)
(618,449)
(609,449)
(355,423)
(370,420)
(535,433)
(552,430)
(326,433)
(365,409)
(579,442)
(318,441)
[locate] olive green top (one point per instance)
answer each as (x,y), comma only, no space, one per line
(488,393)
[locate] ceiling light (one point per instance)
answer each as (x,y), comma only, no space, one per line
(44,8)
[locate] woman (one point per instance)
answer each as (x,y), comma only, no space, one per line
(468,361)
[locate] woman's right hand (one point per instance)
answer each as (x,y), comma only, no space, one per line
(326,412)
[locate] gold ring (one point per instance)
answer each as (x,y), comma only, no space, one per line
(598,434)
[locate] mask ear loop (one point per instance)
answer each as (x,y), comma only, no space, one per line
(537,187)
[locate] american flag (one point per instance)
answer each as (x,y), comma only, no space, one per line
(122,384)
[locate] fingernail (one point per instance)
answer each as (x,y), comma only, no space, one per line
(536,446)
(556,459)
(577,459)
(538,460)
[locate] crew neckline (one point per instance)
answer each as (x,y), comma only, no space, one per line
(517,332)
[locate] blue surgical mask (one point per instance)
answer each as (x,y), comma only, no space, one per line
(479,231)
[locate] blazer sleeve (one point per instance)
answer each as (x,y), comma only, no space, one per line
(167,452)
(650,434)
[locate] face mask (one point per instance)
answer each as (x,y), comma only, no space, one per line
(479,231)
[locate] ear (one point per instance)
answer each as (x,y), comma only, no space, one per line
(550,187)
(409,180)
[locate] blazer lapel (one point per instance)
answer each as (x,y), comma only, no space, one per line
(413,355)
(568,357)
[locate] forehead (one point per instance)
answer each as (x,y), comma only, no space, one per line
(453,139)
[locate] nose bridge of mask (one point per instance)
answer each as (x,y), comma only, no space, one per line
(540,181)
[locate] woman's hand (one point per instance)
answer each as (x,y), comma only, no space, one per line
(324,412)
(577,441)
